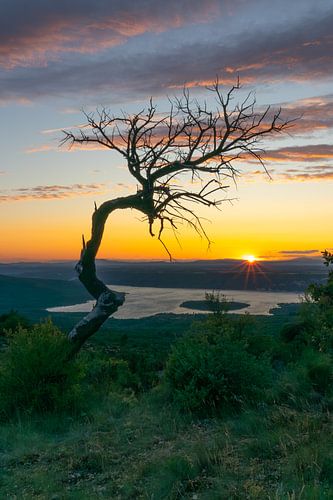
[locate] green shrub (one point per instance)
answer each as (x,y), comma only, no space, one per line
(130,369)
(310,332)
(145,364)
(208,372)
(111,373)
(11,321)
(36,374)
(317,311)
(293,386)
(307,380)
(292,331)
(261,344)
(319,368)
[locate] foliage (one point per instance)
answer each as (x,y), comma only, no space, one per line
(318,310)
(146,365)
(213,370)
(132,442)
(305,349)
(307,381)
(36,374)
(319,368)
(110,374)
(126,368)
(11,321)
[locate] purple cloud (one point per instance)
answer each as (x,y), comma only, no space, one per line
(301,51)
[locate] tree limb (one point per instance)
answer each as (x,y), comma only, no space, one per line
(180,159)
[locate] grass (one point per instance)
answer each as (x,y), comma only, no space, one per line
(134,448)
(131,442)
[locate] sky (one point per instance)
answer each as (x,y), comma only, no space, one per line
(59,58)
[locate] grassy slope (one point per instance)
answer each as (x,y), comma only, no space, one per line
(126,446)
(132,448)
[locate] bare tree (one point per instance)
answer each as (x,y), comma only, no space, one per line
(180,160)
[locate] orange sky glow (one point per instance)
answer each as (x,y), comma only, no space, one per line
(53,64)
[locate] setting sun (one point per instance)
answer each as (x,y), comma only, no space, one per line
(249,258)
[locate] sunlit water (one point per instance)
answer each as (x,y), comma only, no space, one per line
(145,301)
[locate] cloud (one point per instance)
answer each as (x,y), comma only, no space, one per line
(315,113)
(43,148)
(60,192)
(52,192)
(301,51)
(310,153)
(40,149)
(299,252)
(303,158)
(300,174)
(303,176)
(35,35)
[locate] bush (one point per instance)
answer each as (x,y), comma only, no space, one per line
(317,311)
(307,380)
(309,332)
(111,374)
(208,372)
(319,371)
(11,321)
(145,365)
(130,369)
(36,374)
(297,330)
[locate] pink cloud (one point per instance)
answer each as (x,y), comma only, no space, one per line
(80,26)
(311,153)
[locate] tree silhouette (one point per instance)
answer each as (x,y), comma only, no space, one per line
(180,160)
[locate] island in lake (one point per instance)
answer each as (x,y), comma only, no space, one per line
(204,305)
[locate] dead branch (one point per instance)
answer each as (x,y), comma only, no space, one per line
(180,159)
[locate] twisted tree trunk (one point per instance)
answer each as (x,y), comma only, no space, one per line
(159,150)
(107,300)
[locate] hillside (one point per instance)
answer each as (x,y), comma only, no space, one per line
(227,274)
(34,294)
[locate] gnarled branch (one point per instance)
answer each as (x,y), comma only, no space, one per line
(180,159)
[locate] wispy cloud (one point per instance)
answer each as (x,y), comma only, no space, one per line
(315,113)
(52,192)
(298,252)
(310,153)
(41,149)
(60,192)
(303,176)
(300,174)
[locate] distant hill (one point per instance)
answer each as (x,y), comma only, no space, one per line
(33,294)
(30,288)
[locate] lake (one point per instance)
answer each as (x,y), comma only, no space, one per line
(146,301)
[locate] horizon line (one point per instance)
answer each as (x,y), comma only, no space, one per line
(258,259)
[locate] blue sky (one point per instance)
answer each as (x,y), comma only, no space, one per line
(59,57)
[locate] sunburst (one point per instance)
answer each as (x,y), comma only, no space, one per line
(250,259)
